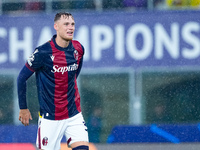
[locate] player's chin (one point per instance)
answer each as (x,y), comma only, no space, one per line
(68,38)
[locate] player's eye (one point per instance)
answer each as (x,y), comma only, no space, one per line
(66,24)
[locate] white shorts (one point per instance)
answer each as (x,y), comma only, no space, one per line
(51,132)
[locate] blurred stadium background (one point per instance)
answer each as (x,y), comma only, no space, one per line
(140,81)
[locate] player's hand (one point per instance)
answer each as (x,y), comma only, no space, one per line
(24,116)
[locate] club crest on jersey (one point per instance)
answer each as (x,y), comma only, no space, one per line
(45,141)
(76,54)
(32,57)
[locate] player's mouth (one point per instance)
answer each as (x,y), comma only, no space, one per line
(70,33)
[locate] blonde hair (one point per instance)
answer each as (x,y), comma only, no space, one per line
(58,15)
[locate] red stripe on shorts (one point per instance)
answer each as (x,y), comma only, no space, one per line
(39,138)
(69,140)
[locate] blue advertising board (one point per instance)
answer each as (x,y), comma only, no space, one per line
(153,133)
(112,39)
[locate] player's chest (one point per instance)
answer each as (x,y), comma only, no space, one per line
(62,58)
(61,62)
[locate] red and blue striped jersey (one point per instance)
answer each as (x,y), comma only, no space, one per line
(56,70)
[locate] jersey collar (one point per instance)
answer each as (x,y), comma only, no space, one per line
(61,48)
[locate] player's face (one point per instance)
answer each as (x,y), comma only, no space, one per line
(65,27)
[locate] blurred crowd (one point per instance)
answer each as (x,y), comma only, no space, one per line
(99,5)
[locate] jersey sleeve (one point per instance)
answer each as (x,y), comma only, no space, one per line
(80,51)
(79,67)
(24,74)
(35,61)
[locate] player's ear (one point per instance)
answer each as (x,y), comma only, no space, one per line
(56,26)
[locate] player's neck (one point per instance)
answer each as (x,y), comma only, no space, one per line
(61,42)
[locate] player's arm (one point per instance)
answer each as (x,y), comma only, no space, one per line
(79,67)
(80,63)
(24,114)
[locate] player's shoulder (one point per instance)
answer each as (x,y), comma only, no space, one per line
(78,46)
(46,47)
